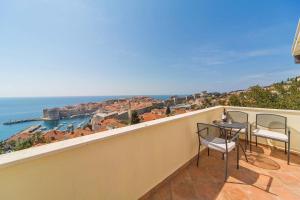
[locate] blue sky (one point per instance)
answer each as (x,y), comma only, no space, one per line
(77,47)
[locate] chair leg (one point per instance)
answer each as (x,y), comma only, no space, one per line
(289,146)
(246,142)
(248,135)
(285,147)
(289,149)
(226,166)
(256,140)
(207,151)
(250,141)
(198,155)
(238,155)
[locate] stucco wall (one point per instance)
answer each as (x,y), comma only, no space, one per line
(123,163)
(118,164)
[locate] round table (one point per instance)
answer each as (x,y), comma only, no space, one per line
(228,127)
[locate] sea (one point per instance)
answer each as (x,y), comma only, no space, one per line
(32,107)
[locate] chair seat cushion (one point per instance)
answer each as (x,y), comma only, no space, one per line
(241,131)
(271,135)
(218,144)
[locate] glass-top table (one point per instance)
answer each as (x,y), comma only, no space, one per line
(230,125)
(231,130)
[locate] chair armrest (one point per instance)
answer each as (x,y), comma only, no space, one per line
(199,131)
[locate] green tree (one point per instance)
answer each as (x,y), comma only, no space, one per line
(135,118)
(2,147)
(282,95)
(259,97)
(23,144)
(234,100)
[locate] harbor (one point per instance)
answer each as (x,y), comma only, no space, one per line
(31,129)
(35,125)
(17,114)
(22,121)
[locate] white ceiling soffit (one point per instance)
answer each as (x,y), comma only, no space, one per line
(296,44)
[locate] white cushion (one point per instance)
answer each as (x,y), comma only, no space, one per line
(271,135)
(218,144)
(241,131)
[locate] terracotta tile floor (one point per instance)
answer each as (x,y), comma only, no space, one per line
(265,176)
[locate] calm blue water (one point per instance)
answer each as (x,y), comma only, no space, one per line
(24,108)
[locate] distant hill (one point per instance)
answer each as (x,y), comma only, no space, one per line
(281,95)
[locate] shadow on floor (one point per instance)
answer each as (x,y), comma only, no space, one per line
(279,154)
(207,180)
(265,176)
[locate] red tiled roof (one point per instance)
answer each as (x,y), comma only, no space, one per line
(179,111)
(79,132)
(21,136)
(104,124)
(54,135)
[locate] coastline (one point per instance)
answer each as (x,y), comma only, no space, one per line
(20,108)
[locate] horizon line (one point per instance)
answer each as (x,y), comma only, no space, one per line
(128,95)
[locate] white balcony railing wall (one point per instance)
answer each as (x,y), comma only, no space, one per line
(122,163)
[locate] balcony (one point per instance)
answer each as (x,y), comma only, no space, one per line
(153,160)
(265,176)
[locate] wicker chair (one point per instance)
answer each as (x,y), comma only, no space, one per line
(210,136)
(269,126)
(240,117)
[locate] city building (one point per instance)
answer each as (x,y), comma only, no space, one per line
(99,117)
(51,114)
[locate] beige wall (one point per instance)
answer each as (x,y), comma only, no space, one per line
(293,121)
(124,165)
(118,164)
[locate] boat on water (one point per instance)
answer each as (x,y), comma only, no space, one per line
(43,128)
(81,123)
(58,127)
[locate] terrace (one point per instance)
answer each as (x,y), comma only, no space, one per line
(153,160)
(265,176)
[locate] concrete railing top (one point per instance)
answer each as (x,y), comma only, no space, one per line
(48,149)
(264,110)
